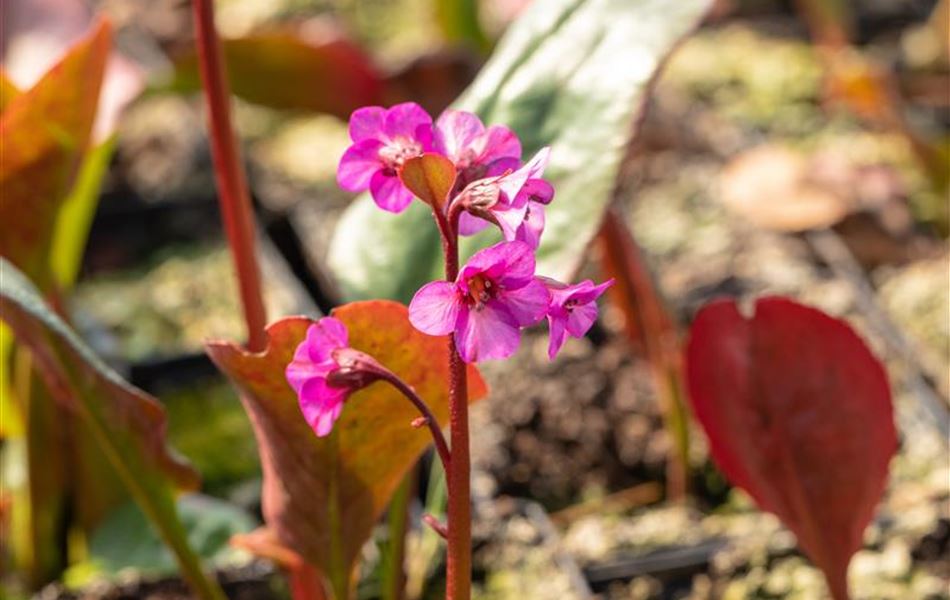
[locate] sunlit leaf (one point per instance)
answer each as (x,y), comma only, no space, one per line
(322,496)
(71,231)
(45,132)
(798,414)
(315,71)
(430,177)
(571,74)
(127,424)
(8,90)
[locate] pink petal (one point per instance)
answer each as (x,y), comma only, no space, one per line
(325,336)
(470,224)
(557,336)
(489,333)
(367,123)
(499,167)
(389,193)
(538,190)
(302,369)
(404,120)
(435,308)
(588,292)
(500,142)
(532,227)
(321,405)
(528,304)
(581,318)
(358,165)
(509,263)
(533,169)
(509,218)
(325,422)
(457,131)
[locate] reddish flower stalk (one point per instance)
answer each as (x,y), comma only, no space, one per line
(233,196)
(459,510)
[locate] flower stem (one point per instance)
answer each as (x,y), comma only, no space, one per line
(459,513)
(231,180)
(440,445)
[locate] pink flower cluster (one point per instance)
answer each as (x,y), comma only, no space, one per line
(497,292)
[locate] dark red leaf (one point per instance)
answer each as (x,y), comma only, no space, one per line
(798,414)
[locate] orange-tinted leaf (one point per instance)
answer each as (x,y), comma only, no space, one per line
(38,32)
(8,90)
(798,414)
(322,495)
(311,70)
(127,424)
(430,177)
(45,133)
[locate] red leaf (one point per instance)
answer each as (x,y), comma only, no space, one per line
(798,414)
(312,67)
(322,496)
(45,133)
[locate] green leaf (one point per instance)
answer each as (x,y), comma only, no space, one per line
(124,541)
(459,22)
(293,69)
(75,215)
(127,425)
(570,74)
(322,496)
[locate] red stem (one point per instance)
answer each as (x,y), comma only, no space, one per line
(459,513)
(233,196)
(423,408)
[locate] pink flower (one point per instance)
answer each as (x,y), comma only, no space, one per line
(325,371)
(504,200)
(494,296)
(477,152)
(539,193)
(383,139)
(572,311)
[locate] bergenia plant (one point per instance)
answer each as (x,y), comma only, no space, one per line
(471,176)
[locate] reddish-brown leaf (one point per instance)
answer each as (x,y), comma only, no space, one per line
(313,67)
(45,132)
(322,495)
(798,414)
(430,177)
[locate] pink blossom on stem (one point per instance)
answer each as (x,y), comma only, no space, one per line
(384,139)
(476,151)
(504,199)
(325,371)
(494,296)
(572,311)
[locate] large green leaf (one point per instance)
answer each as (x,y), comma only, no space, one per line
(127,425)
(570,74)
(322,496)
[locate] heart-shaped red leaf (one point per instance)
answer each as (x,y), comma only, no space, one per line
(798,414)
(322,496)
